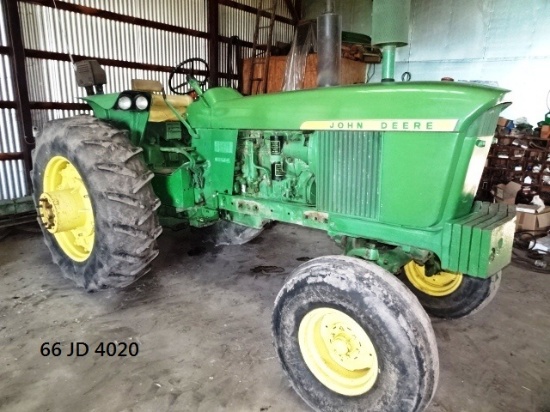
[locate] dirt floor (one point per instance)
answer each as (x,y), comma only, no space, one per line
(202,323)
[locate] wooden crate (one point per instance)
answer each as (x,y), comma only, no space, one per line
(352,72)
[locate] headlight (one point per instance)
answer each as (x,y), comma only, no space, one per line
(141,102)
(124,103)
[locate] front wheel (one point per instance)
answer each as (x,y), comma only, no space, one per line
(450,295)
(351,337)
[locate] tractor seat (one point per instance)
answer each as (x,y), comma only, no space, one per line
(159,111)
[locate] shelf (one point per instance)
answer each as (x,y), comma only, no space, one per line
(501,169)
(509,136)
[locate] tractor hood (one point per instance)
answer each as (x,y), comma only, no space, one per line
(439,106)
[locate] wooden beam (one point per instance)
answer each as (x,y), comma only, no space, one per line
(21,91)
(253,10)
(293,12)
(244,43)
(40,54)
(7,104)
(90,11)
(59,106)
(213,42)
(11,156)
(46,106)
(298,8)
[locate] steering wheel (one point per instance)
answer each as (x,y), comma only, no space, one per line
(194,68)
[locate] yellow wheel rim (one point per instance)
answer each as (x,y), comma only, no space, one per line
(440,284)
(338,351)
(66,209)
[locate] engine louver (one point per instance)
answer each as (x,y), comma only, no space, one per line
(348,179)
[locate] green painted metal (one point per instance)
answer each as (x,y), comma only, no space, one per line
(16,206)
(17,211)
(339,176)
(482,241)
(388,62)
(390,22)
(289,110)
(134,121)
(390,258)
(175,189)
(396,164)
(218,148)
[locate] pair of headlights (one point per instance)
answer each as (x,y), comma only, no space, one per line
(127,102)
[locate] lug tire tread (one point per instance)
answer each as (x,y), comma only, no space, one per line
(124,217)
(397,323)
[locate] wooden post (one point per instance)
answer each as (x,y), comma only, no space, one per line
(214,45)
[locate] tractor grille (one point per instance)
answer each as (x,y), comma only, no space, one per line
(348,179)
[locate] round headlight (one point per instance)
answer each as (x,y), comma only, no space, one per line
(141,102)
(124,103)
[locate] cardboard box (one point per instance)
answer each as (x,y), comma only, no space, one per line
(545,131)
(502,121)
(506,193)
(528,219)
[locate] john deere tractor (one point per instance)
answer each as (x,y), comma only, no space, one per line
(388,170)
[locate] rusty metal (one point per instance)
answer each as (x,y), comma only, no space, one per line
(11,156)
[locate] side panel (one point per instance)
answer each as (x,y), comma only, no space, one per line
(218,148)
(175,189)
(417,169)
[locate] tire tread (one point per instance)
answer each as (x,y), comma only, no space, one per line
(124,202)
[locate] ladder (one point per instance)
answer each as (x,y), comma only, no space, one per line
(261,56)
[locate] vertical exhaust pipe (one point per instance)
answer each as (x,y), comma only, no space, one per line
(390,29)
(329,46)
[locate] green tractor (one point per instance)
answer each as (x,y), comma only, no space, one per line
(388,170)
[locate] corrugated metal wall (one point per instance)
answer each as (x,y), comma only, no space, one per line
(502,42)
(59,31)
(12,172)
(235,22)
(50,33)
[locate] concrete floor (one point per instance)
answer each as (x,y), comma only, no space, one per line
(202,320)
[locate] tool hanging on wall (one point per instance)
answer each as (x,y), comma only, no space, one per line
(261,55)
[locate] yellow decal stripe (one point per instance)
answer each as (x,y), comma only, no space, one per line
(401,125)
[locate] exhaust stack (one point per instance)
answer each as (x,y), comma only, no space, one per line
(329,46)
(390,29)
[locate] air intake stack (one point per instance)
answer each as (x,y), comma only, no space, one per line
(390,29)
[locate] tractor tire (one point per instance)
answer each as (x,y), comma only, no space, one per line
(466,297)
(96,203)
(351,337)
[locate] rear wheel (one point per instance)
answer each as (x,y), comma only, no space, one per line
(450,295)
(351,337)
(96,203)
